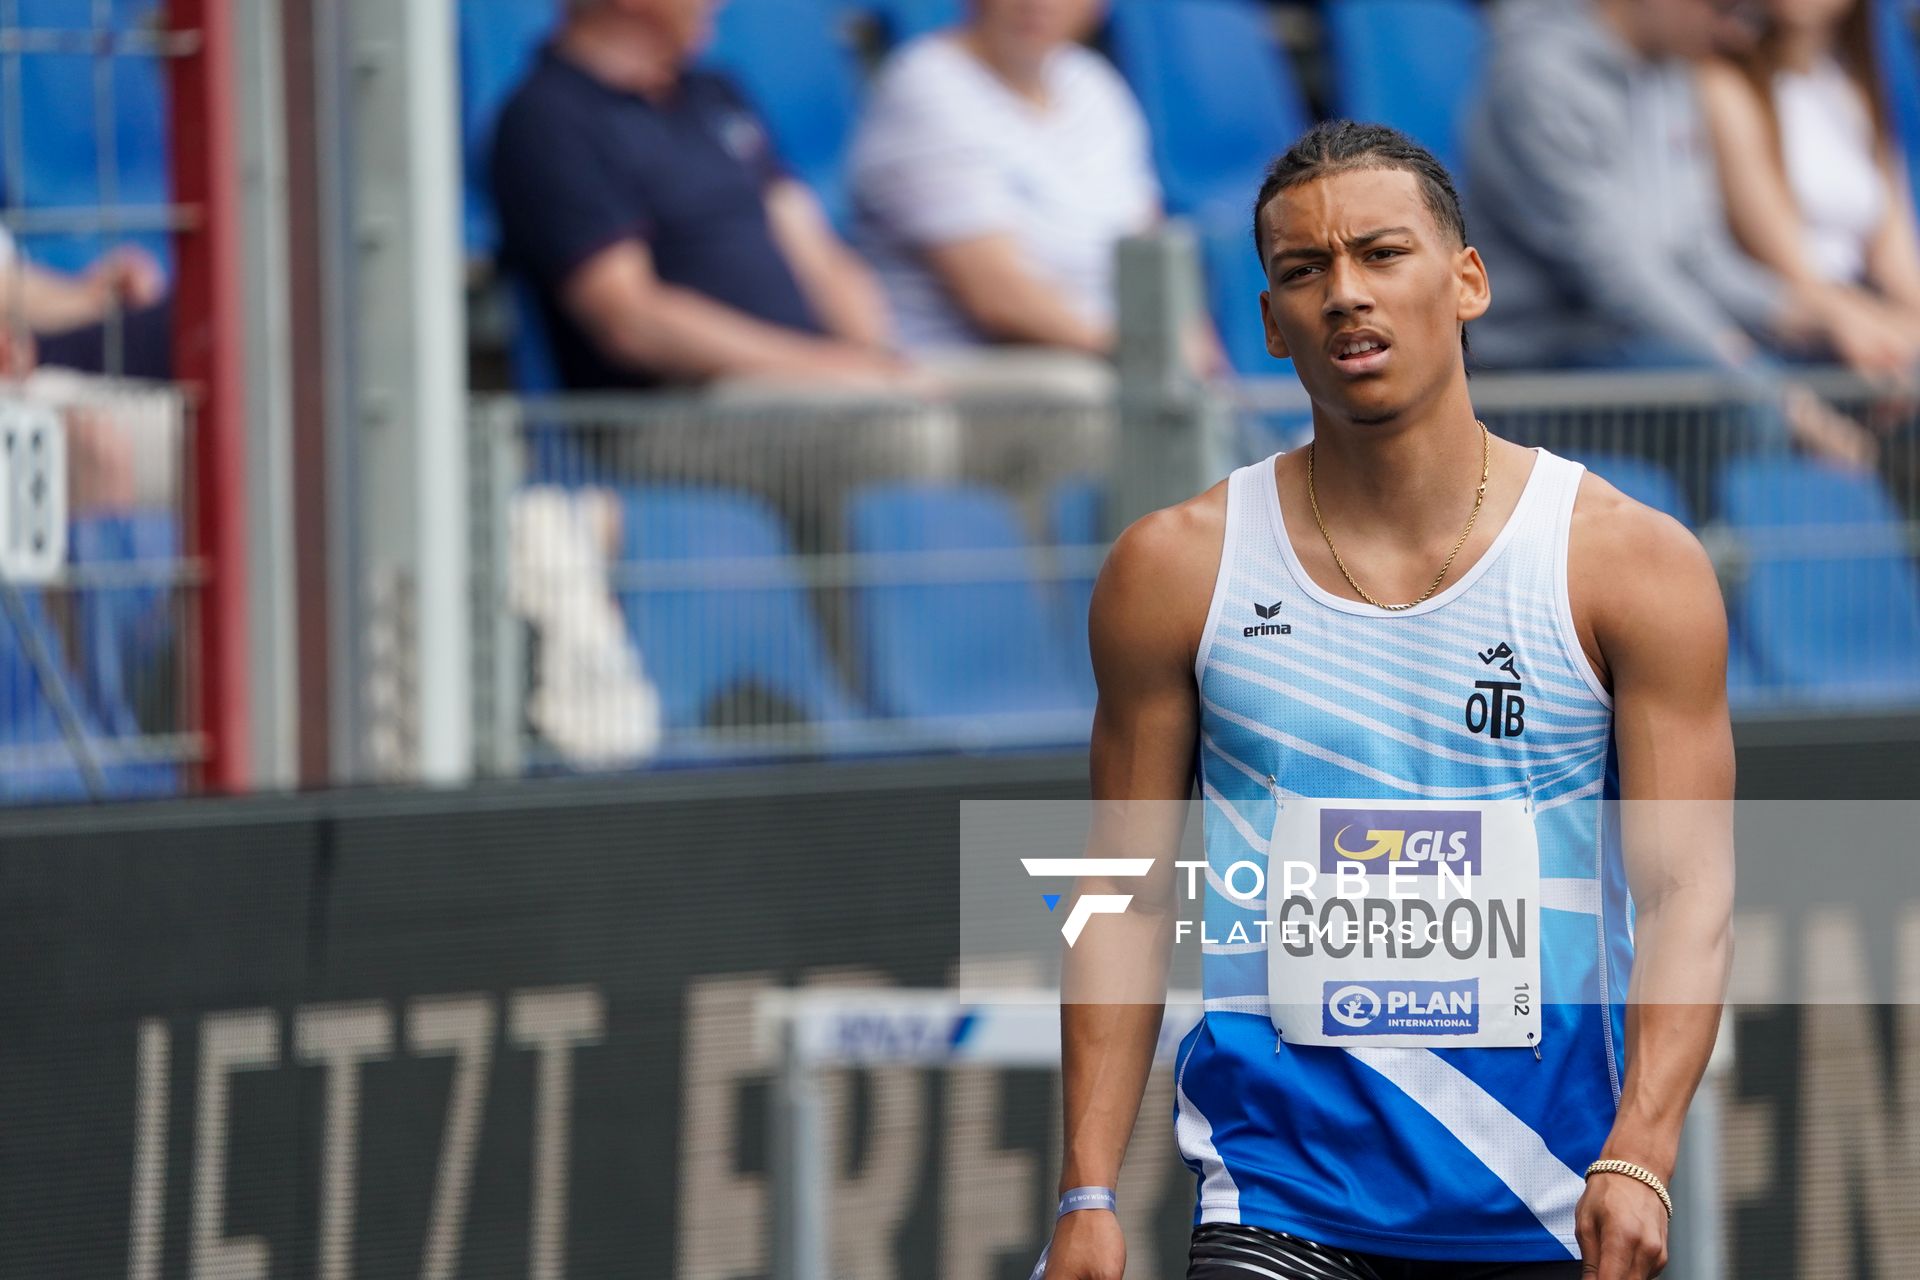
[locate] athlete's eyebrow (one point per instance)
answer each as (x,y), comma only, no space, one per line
(1316,252)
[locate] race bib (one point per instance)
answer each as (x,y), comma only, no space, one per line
(1409,923)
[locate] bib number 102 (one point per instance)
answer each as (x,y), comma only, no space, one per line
(33,492)
(1523,1000)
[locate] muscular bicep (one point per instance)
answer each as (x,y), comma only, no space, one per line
(1148,605)
(1147,719)
(1663,630)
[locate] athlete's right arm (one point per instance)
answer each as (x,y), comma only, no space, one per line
(1149,609)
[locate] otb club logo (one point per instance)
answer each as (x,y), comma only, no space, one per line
(1495,707)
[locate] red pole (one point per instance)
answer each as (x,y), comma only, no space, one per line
(208,359)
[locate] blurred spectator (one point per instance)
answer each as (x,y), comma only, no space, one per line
(997,167)
(1592,197)
(642,199)
(123,443)
(1813,181)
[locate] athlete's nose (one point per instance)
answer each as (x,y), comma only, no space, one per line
(1346,289)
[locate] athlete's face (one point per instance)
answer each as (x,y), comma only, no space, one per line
(1366,292)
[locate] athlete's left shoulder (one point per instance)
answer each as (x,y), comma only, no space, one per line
(1638,578)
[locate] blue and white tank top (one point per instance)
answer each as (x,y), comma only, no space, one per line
(1481,692)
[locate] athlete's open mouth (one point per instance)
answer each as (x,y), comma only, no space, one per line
(1360,351)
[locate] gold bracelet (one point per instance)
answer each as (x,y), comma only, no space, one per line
(1633,1170)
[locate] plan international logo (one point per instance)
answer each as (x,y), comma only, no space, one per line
(1416,840)
(1391,1008)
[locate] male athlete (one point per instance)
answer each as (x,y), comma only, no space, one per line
(1408,644)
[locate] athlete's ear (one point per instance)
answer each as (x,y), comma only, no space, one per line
(1276,345)
(1475,293)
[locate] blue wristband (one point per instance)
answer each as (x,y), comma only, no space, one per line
(1075,1199)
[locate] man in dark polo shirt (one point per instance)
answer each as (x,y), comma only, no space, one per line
(642,200)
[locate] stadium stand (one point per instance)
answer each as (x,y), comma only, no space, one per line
(1895,25)
(1234,282)
(42,763)
(798,68)
(1221,98)
(1831,611)
(126,632)
(498,39)
(535,371)
(708,641)
(1411,64)
(1074,520)
(1641,480)
(67,160)
(975,645)
(902,20)
(1218,95)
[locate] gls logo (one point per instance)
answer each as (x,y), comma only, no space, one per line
(1087,905)
(1268,628)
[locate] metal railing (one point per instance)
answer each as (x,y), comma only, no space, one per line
(685,578)
(694,579)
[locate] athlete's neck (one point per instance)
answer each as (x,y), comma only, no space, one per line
(1408,483)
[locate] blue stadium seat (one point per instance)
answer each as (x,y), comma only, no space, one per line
(1641,480)
(985,656)
(905,19)
(37,762)
(803,76)
(1831,606)
(72,158)
(706,641)
(1074,511)
(1219,97)
(498,41)
(535,370)
(1411,64)
(1896,27)
(125,633)
(1234,283)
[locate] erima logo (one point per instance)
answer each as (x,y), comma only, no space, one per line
(1268,628)
(1087,905)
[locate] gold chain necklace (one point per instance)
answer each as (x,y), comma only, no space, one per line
(1479,498)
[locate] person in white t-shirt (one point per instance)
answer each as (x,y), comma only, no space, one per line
(1814,183)
(996,168)
(123,441)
